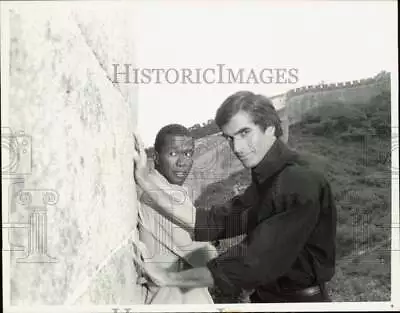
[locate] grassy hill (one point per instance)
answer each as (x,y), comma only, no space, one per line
(351,145)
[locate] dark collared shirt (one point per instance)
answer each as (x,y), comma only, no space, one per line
(289,216)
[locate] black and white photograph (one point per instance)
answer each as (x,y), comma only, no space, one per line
(199,156)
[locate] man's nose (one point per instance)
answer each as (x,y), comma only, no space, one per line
(237,146)
(181,161)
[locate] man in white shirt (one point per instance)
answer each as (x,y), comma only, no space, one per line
(166,244)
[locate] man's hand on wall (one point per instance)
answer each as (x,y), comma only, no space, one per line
(141,170)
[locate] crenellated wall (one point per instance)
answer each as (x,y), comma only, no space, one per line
(300,100)
(72,190)
(378,79)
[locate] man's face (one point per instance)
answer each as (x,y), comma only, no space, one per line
(175,159)
(247,140)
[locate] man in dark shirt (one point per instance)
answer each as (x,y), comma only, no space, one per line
(288,214)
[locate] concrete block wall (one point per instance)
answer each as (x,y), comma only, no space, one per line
(75,180)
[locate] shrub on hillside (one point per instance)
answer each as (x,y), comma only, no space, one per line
(350,122)
(378,114)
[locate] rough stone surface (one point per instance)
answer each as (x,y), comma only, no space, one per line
(298,105)
(79,125)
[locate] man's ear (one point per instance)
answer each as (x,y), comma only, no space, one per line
(270,130)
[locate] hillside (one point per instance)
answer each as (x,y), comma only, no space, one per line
(351,145)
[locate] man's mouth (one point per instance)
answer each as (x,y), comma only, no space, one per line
(180,174)
(243,157)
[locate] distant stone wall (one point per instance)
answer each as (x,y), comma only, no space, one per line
(382,77)
(71,190)
(299,101)
(213,161)
(279,101)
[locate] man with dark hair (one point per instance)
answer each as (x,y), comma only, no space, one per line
(163,243)
(260,108)
(288,214)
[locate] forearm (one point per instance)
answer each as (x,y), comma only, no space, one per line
(201,253)
(193,278)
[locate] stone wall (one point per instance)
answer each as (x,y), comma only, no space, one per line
(297,106)
(71,188)
(300,100)
(379,79)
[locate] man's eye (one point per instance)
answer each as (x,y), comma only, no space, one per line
(188,154)
(245,132)
(172,153)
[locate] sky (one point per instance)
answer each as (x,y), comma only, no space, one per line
(326,41)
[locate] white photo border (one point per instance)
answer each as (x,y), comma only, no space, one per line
(393,305)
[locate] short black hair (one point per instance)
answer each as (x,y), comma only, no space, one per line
(171,129)
(259,107)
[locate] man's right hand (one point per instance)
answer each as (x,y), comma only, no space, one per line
(141,170)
